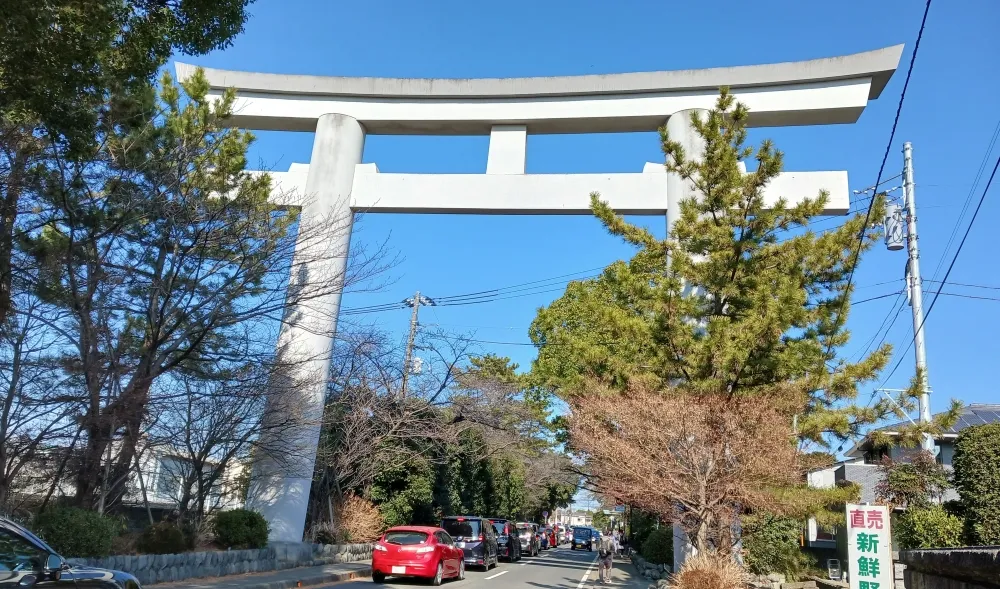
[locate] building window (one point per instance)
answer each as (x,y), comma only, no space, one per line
(172,473)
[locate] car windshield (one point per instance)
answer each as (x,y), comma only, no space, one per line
(404,538)
(523,530)
(498,527)
(461,528)
(581,533)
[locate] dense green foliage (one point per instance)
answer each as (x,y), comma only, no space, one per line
(59,59)
(772,545)
(76,532)
(240,528)
(464,478)
(163,538)
(914,483)
(929,526)
(641,525)
(977,478)
(63,62)
(658,547)
(601,520)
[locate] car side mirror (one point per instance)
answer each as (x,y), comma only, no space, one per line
(27,581)
(53,567)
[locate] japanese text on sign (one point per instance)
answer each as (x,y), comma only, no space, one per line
(869,559)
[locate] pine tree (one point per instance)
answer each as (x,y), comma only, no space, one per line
(753,300)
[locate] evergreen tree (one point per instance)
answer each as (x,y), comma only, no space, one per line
(752,300)
(60,63)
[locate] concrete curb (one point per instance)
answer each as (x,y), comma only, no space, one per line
(286,579)
(311,580)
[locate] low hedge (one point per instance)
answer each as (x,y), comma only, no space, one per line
(74,532)
(659,546)
(928,527)
(240,529)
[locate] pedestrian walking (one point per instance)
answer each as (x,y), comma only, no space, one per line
(605,556)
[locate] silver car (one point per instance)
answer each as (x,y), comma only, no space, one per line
(531,542)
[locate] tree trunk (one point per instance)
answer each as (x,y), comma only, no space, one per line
(8,216)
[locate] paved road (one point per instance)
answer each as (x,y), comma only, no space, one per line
(560,568)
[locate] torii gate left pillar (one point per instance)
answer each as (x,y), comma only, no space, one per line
(280,484)
(342,110)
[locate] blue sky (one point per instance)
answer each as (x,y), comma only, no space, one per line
(950,113)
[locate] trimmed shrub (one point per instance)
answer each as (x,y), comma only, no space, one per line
(77,533)
(163,538)
(928,527)
(771,545)
(240,529)
(710,570)
(659,546)
(977,479)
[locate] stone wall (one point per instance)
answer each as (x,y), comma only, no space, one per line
(952,568)
(162,568)
(650,571)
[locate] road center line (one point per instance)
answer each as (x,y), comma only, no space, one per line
(497,575)
(586,575)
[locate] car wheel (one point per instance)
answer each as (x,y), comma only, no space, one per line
(461,570)
(439,576)
(378,577)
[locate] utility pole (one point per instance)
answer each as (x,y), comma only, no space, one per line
(414,302)
(914,285)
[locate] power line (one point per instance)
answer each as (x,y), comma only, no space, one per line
(965,284)
(894,312)
(951,266)
(888,147)
(968,199)
(498,290)
(968,296)
(486,296)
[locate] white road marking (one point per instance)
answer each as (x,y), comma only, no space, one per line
(586,575)
(522,564)
(497,575)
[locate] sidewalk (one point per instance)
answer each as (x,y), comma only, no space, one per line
(623,576)
(285,579)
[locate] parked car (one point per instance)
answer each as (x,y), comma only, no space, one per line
(475,536)
(27,561)
(531,544)
(417,551)
(508,543)
(582,538)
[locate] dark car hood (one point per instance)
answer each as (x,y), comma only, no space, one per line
(112,577)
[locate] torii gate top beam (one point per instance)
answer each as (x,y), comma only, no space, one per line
(814,92)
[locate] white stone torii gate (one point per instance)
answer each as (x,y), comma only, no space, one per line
(342,111)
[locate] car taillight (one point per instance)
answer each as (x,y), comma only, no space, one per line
(425,549)
(481,537)
(381,548)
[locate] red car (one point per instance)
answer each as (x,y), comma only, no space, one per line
(417,551)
